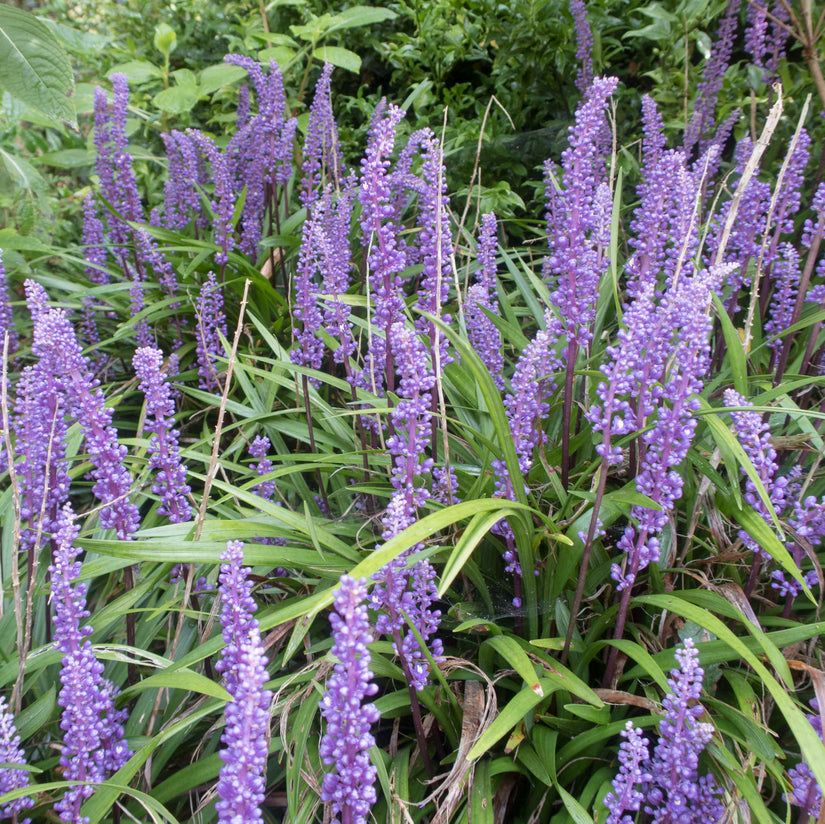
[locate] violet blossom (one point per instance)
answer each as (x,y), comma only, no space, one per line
(164,452)
(55,344)
(380,237)
(667,786)
(323,164)
(11,778)
(93,743)
(584,45)
(349,787)
(211,324)
(242,780)
(399,591)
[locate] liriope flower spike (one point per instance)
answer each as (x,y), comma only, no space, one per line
(11,753)
(242,783)
(345,746)
(164,454)
(93,743)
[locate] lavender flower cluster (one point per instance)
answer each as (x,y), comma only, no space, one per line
(242,780)
(93,744)
(346,743)
(667,785)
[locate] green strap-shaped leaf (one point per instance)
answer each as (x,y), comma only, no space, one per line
(34,67)
(518,706)
(517,658)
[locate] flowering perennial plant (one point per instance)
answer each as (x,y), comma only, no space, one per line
(164,453)
(11,778)
(668,786)
(93,744)
(211,325)
(241,784)
(482,332)
(323,164)
(345,745)
(63,362)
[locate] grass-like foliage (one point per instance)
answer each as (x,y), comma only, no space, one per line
(322,500)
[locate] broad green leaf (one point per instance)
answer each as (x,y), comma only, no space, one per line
(138,71)
(478,527)
(35,66)
(77,41)
(480,806)
(66,158)
(343,58)
(735,349)
(177,99)
(359,16)
(36,715)
(282,55)
(216,77)
(181,679)
(577,812)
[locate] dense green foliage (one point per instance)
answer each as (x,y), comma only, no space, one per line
(522,718)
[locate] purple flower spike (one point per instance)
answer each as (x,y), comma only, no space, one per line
(211,325)
(385,259)
(483,334)
(345,746)
(584,45)
(61,358)
(223,196)
(164,454)
(323,161)
(259,449)
(40,432)
(711,84)
(668,786)
(633,753)
(677,787)
(6,317)
(10,753)
(93,743)
(241,784)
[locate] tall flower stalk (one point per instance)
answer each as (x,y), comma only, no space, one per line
(93,744)
(242,780)
(349,786)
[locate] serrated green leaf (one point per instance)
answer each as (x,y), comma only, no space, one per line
(36,68)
